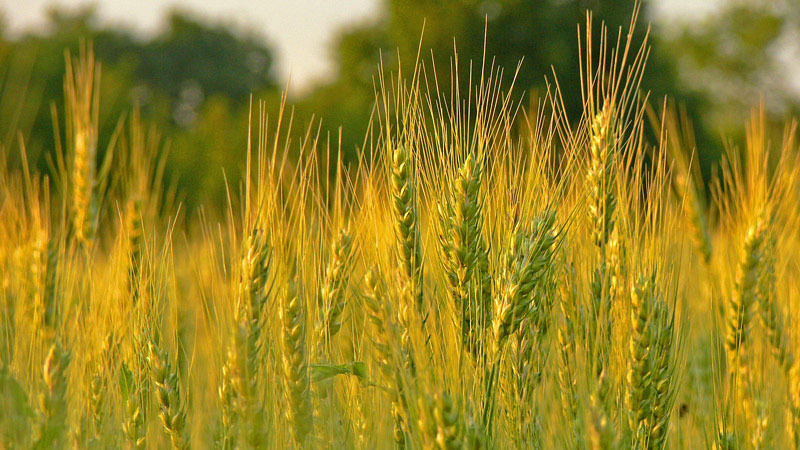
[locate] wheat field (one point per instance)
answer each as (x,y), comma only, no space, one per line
(488,274)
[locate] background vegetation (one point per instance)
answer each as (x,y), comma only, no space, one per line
(193,78)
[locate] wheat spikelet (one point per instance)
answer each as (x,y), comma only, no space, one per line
(793,412)
(600,177)
(337,275)
(238,389)
(524,353)
(295,363)
(601,432)
(771,317)
(253,293)
(133,420)
(96,390)
(229,392)
(638,374)
(465,259)
(526,260)
(98,386)
(80,88)
(441,423)
(687,180)
(53,401)
(739,310)
(663,378)
(169,397)
(359,417)
(406,222)
(332,302)
(378,315)
(565,338)
(694,208)
(135,231)
(38,273)
(650,383)
(137,372)
(615,253)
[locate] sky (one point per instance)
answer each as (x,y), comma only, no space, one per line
(300,31)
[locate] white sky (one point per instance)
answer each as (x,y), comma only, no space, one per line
(300,31)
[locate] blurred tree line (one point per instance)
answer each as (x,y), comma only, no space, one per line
(193,79)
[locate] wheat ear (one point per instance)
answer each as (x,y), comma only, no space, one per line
(406,222)
(650,383)
(775,329)
(465,258)
(295,362)
(441,423)
(53,401)
(739,310)
(135,230)
(526,260)
(600,177)
(133,424)
(600,429)
(379,315)
(254,289)
(81,101)
(169,397)
(337,275)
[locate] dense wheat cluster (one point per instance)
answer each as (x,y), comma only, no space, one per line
(485,276)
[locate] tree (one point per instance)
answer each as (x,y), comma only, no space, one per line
(543,33)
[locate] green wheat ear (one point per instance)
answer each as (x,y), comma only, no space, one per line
(169,396)
(53,401)
(441,423)
(465,258)
(526,260)
(337,276)
(406,221)
(295,362)
(650,384)
(379,313)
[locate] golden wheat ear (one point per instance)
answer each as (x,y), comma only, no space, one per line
(81,89)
